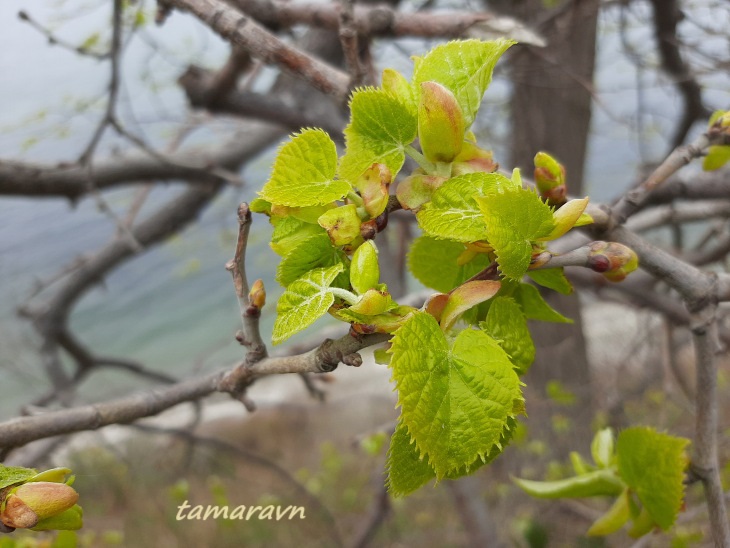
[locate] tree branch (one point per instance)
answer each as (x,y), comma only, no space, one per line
(244,32)
(325,358)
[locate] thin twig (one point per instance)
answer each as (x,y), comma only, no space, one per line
(250,309)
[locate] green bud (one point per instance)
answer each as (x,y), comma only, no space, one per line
(341,223)
(364,268)
(550,178)
(602,448)
(257,295)
(441,123)
(415,190)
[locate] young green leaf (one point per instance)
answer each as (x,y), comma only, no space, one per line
(406,470)
(433,263)
(10,475)
(397,85)
(614,518)
(308,254)
(290,232)
(465,67)
(304,301)
(304,172)
(652,464)
(507,324)
(380,127)
(552,278)
(602,448)
(566,218)
(600,482)
(453,212)
(534,306)
(514,219)
(456,398)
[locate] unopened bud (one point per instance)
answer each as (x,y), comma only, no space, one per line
(441,123)
(257,295)
(550,178)
(615,261)
(26,505)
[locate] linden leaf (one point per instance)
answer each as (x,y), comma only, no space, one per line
(290,232)
(434,263)
(455,398)
(312,252)
(304,172)
(552,278)
(599,482)
(407,471)
(652,464)
(380,127)
(304,301)
(453,212)
(534,306)
(465,67)
(10,475)
(507,324)
(514,219)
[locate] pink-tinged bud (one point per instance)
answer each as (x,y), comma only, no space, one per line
(615,261)
(26,505)
(550,178)
(257,295)
(415,190)
(373,187)
(441,123)
(473,159)
(341,223)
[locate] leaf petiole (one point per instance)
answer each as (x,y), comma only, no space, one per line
(420,159)
(345,295)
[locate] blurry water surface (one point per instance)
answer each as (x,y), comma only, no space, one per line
(172,308)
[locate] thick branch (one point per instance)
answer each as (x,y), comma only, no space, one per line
(19,431)
(244,32)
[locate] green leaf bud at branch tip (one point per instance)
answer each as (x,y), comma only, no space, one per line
(550,179)
(441,124)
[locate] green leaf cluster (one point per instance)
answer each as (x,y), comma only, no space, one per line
(457,361)
(644,469)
